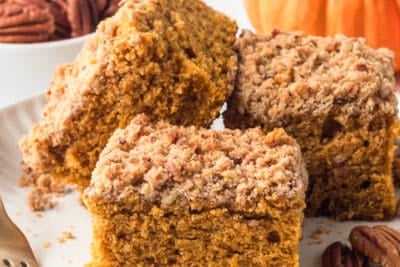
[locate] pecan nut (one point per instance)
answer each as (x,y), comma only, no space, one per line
(338,254)
(58,8)
(83,16)
(28,21)
(380,244)
(25,21)
(74,18)
(110,9)
(78,17)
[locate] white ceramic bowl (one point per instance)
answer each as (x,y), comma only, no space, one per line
(26,69)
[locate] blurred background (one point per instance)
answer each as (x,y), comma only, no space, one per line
(31,46)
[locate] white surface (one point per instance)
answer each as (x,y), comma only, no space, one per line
(26,70)
(70,216)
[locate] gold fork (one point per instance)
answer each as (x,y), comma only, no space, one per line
(14,248)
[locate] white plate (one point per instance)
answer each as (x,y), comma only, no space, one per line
(70,216)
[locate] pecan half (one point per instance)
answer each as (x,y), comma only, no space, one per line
(58,8)
(74,18)
(338,254)
(390,234)
(31,21)
(110,9)
(103,6)
(37,3)
(83,16)
(380,244)
(25,21)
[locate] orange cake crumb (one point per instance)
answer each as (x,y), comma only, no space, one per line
(316,235)
(47,244)
(65,236)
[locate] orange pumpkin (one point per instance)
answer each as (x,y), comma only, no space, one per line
(378,21)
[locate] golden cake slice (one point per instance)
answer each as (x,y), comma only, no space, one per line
(172,59)
(164,195)
(335,96)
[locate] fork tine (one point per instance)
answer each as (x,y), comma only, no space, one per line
(14,246)
(16,263)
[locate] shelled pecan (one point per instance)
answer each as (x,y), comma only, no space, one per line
(58,8)
(78,17)
(338,254)
(111,8)
(380,244)
(28,21)
(25,21)
(83,16)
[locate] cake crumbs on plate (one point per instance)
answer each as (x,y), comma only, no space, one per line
(315,235)
(39,200)
(47,244)
(65,236)
(43,190)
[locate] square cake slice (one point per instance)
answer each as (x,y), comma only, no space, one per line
(164,195)
(171,59)
(335,96)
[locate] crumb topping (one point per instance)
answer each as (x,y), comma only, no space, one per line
(286,74)
(166,163)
